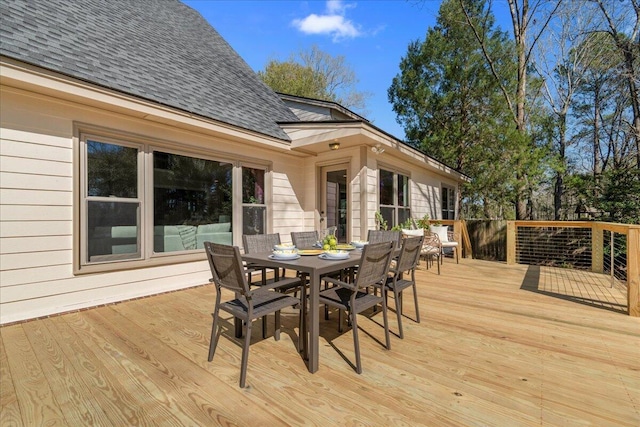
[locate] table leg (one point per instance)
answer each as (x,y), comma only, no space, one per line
(314,322)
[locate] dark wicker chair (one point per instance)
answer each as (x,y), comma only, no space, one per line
(353,298)
(404,276)
(229,273)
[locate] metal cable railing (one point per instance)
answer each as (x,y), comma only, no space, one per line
(554,247)
(614,255)
(599,249)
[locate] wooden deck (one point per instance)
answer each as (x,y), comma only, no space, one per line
(498,345)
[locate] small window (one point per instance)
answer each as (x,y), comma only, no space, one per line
(448,203)
(254,208)
(394,197)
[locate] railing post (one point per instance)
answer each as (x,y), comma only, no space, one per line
(597,247)
(633,271)
(511,242)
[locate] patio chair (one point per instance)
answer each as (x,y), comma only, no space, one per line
(229,273)
(352,297)
(256,243)
(377,236)
(431,248)
(304,239)
(446,240)
(398,281)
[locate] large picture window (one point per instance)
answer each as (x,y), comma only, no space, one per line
(140,201)
(394,197)
(192,202)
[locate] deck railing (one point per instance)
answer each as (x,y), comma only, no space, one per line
(600,247)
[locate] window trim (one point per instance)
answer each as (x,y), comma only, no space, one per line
(238,211)
(146,146)
(396,171)
(452,196)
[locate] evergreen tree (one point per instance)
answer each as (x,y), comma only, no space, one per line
(451,106)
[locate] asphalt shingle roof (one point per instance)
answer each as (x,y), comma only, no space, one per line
(159,50)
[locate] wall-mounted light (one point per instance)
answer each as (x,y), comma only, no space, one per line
(334,145)
(378,149)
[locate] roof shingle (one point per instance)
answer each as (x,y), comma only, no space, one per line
(159,50)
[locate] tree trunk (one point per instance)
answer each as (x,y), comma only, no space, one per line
(559,187)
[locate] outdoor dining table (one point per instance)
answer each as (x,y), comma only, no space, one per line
(314,267)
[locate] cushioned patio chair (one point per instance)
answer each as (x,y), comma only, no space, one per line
(229,273)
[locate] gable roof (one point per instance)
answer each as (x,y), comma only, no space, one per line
(159,50)
(332,110)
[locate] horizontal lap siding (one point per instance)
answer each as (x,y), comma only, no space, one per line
(36,209)
(288,191)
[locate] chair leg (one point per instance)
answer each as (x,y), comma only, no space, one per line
(415,299)
(245,354)
(386,324)
(356,342)
(339,320)
(399,313)
(214,336)
(213,343)
(276,333)
(264,326)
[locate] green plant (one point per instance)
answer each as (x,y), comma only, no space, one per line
(424,222)
(381,222)
(437,223)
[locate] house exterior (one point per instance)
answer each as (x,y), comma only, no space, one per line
(131,132)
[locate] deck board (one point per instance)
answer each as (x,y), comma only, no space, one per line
(497,345)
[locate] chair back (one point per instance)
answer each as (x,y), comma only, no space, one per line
(377,236)
(431,244)
(442,231)
(226,267)
(374,267)
(304,239)
(255,243)
(409,253)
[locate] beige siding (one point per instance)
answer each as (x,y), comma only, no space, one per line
(310,113)
(37,196)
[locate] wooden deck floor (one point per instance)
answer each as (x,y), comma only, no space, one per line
(497,345)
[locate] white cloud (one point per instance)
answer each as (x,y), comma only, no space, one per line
(332,23)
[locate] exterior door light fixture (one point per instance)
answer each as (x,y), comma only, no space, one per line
(334,145)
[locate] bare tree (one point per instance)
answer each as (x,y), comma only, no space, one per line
(624,29)
(562,57)
(522,16)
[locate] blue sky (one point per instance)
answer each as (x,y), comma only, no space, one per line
(372,35)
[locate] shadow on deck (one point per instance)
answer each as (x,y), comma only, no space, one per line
(582,287)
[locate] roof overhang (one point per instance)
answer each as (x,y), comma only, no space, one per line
(30,78)
(314,138)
